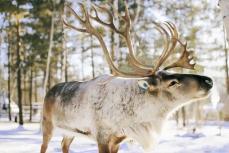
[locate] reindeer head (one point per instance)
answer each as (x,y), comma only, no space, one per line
(176,87)
(183,86)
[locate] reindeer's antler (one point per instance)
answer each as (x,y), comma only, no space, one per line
(85,21)
(184,60)
(167,29)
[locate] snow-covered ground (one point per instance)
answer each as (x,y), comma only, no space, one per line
(27,139)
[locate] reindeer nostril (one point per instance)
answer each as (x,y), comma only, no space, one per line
(209,82)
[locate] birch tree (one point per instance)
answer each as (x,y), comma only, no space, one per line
(224,7)
(49,55)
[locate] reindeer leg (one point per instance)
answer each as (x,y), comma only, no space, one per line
(103,148)
(114,143)
(47,134)
(47,124)
(66,142)
(112,146)
(108,148)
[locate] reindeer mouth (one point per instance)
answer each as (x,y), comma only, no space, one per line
(205,87)
(204,92)
(202,95)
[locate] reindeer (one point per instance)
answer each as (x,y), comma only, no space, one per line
(135,105)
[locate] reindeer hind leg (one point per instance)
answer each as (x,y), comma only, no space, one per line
(47,124)
(66,142)
(47,134)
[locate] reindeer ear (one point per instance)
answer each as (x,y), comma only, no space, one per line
(143,85)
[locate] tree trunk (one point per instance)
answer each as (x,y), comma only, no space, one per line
(224,6)
(137,11)
(226,64)
(65,65)
(62,63)
(65,57)
(24,88)
(114,36)
(49,54)
(19,92)
(82,57)
(177,117)
(183,116)
(9,77)
(92,58)
(35,88)
(30,94)
(49,79)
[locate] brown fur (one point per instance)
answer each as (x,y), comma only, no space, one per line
(75,130)
(66,143)
(103,148)
(112,146)
(47,124)
(192,86)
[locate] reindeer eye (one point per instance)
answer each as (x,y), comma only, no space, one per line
(172,83)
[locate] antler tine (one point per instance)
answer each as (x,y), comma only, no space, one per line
(92,30)
(82,21)
(166,52)
(127,15)
(174,37)
(186,56)
(166,29)
(75,14)
(184,60)
(73,27)
(126,34)
(99,20)
(96,18)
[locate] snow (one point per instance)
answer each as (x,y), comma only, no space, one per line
(27,139)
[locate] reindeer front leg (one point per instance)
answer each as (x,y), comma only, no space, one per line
(109,143)
(103,140)
(66,142)
(103,148)
(112,146)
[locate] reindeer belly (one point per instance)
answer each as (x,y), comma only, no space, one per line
(74,121)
